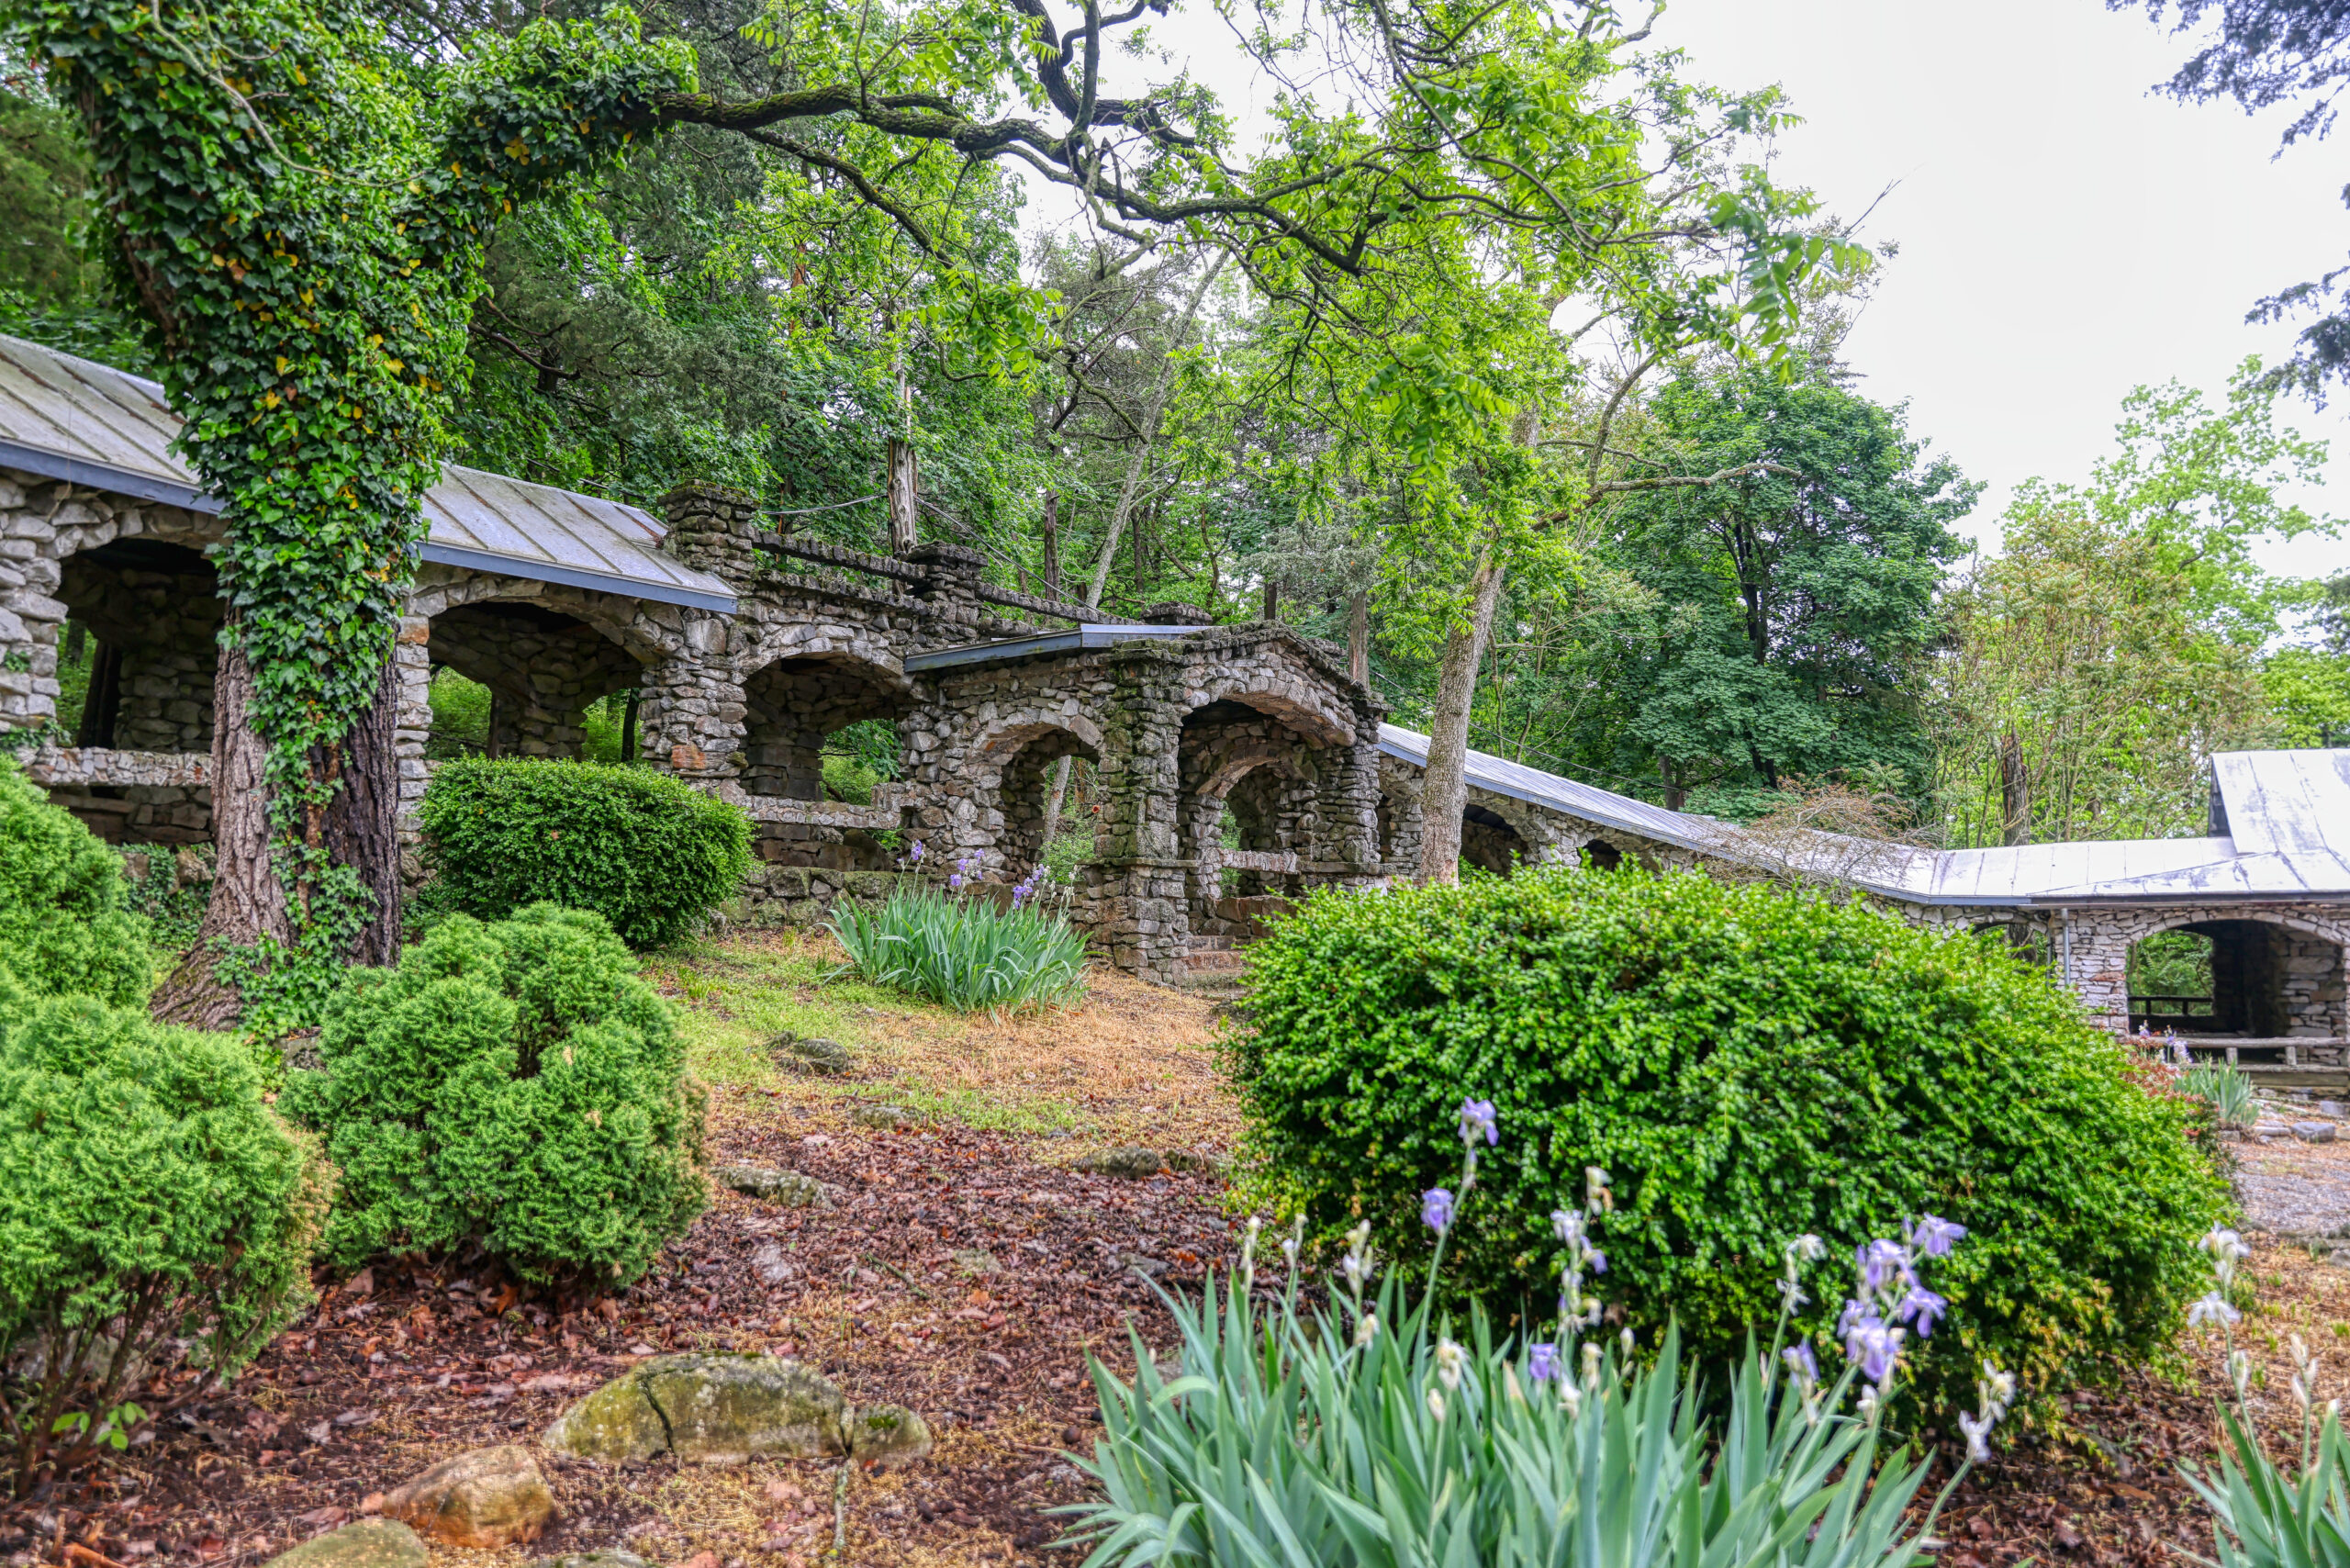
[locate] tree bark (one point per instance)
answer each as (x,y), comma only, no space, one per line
(1052,544)
(1444,790)
(2015,792)
(248,900)
(904,487)
(363,822)
(1359,638)
(248,903)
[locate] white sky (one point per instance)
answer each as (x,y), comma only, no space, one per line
(2065,234)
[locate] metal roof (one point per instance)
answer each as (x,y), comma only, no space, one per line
(2288,813)
(73,419)
(1077,638)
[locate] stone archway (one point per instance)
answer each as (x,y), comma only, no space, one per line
(542,666)
(2281,965)
(2255,979)
(1489,843)
(1016,767)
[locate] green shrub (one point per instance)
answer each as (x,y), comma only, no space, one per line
(144,1182)
(1750,1064)
(965,953)
(643,849)
(515,1085)
(63,928)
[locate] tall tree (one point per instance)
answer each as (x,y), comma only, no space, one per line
(1793,605)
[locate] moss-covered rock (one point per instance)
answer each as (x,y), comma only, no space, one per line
(706,1409)
(888,1435)
(370,1543)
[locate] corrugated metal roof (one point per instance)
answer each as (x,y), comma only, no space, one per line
(2290,813)
(73,418)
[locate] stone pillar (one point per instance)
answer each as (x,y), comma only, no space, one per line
(1133,889)
(713,529)
(951,584)
(411,727)
(691,715)
(1346,849)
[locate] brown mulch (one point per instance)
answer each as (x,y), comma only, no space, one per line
(398,1370)
(886,1295)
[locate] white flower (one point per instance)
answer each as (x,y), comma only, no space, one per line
(1596,1184)
(2212,1308)
(1449,1357)
(1629,1340)
(1591,1364)
(1436,1402)
(1368,1329)
(1569,1398)
(2240,1372)
(1977,1428)
(1359,1237)
(1791,1294)
(1289,1249)
(1997,1387)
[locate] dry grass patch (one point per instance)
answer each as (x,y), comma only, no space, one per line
(1131,1062)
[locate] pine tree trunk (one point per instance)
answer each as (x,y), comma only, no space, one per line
(248,900)
(248,903)
(1444,790)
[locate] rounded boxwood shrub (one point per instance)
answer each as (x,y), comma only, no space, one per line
(1749,1064)
(647,852)
(64,929)
(515,1085)
(145,1186)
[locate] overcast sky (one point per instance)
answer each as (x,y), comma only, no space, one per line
(2065,234)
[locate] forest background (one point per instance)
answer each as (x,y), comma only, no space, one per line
(1738,587)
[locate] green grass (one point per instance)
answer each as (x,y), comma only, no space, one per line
(737,997)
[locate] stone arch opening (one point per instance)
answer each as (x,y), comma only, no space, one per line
(137,657)
(2027,939)
(2224,982)
(1247,814)
(1602,856)
(1490,843)
(1032,756)
(795,706)
(517,677)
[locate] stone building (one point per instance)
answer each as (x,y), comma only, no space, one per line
(1233,767)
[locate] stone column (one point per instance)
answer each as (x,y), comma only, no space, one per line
(692,712)
(1134,893)
(1346,847)
(411,727)
(713,529)
(951,586)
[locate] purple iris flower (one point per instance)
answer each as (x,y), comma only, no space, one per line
(1436,1209)
(1477,1117)
(1883,1263)
(1923,1307)
(1853,1312)
(1542,1363)
(1934,1236)
(916,854)
(1802,1362)
(955,882)
(1598,1261)
(1874,1346)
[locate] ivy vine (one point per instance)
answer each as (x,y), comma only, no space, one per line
(303,223)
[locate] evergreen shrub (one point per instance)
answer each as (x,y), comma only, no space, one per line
(143,1182)
(516,1086)
(1749,1064)
(64,926)
(648,853)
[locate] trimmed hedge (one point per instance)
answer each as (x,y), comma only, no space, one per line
(1749,1064)
(145,1181)
(515,1085)
(64,926)
(648,853)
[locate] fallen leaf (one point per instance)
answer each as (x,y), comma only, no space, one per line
(362,1283)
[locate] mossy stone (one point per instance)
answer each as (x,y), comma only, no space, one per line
(370,1543)
(706,1408)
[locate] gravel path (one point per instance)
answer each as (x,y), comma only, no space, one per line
(2293,1189)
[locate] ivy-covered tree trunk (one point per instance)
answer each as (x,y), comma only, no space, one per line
(1444,789)
(248,897)
(249,908)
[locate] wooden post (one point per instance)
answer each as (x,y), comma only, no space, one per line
(1359,639)
(903,487)
(1052,544)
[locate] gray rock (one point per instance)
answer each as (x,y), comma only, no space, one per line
(789,1188)
(370,1543)
(867,1114)
(889,1436)
(2313,1132)
(2329,1107)
(773,1266)
(487,1498)
(976,1263)
(608,1557)
(706,1408)
(1127,1161)
(1149,1267)
(817,1058)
